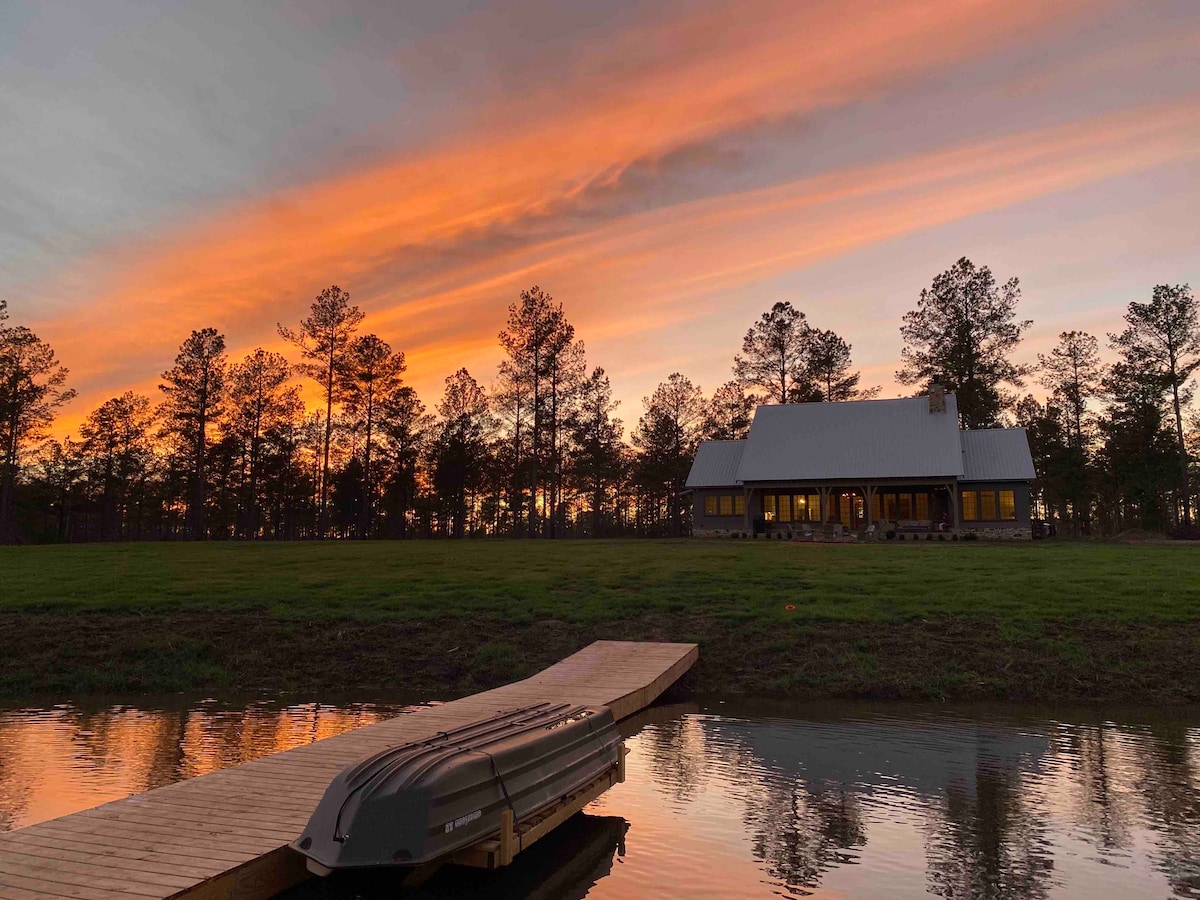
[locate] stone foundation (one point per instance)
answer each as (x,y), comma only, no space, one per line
(1024,533)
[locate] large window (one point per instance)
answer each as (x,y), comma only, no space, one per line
(739,504)
(970,506)
(889,502)
(1008,505)
(769,507)
(727,505)
(814,507)
(710,506)
(987,506)
(905,503)
(785,507)
(922,506)
(876,506)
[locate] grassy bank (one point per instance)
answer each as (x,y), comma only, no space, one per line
(1049,621)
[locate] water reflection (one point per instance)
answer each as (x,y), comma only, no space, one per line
(61,759)
(737,799)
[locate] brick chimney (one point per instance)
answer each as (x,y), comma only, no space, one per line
(937,398)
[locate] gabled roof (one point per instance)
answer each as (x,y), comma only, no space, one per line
(855,439)
(716,464)
(997,454)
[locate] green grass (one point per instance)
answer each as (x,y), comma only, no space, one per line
(584,582)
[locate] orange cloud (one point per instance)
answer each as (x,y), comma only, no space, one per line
(551,188)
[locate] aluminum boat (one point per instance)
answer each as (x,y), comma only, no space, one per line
(426,800)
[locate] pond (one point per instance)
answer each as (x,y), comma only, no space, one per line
(735,798)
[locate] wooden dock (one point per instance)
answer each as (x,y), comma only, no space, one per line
(225,835)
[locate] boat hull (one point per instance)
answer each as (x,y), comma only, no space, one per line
(426,800)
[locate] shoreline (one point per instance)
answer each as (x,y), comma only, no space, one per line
(945,658)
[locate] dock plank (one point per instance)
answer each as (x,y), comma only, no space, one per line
(224,836)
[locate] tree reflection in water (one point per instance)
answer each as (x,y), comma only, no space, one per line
(863,801)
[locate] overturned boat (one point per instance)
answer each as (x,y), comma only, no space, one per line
(428,800)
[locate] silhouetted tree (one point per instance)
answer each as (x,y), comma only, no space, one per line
(1161,345)
(775,357)
(406,427)
(1138,456)
(666,438)
(263,409)
(322,339)
(829,368)
(728,414)
(195,392)
(1072,372)
(117,447)
(961,335)
(32,388)
(542,361)
(596,445)
(460,449)
(370,374)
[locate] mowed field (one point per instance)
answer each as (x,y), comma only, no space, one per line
(589,581)
(1050,622)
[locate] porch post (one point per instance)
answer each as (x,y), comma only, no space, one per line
(953,491)
(868,493)
(747,493)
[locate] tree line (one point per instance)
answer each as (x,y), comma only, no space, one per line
(230,450)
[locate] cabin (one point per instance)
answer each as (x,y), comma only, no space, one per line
(865,466)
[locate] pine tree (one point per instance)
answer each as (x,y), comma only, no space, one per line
(195,392)
(666,439)
(32,388)
(323,338)
(596,444)
(369,376)
(829,368)
(775,357)
(728,414)
(1161,344)
(961,335)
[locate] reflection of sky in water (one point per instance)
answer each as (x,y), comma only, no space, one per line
(736,800)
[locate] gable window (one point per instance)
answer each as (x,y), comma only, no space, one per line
(1008,505)
(987,505)
(710,506)
(970,506)
(727,505)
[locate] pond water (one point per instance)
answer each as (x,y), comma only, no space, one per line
(736,798)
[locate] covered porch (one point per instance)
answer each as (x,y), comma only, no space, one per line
(911,506)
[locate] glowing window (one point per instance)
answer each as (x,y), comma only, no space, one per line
(769,507)
(814,507)
(1008,505)
(922,506)
(710,506)
(876,507)
(987,506)
(785,507)
(727,505)
(905,506)
(739,504)
(970,506)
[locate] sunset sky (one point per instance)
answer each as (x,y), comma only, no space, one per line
(667,170)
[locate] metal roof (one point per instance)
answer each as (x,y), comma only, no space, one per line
(997,454)
(855,439)
(716,464)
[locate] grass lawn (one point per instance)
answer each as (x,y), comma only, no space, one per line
(1048,621)
(586,581)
